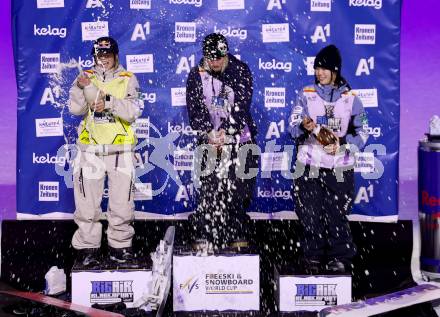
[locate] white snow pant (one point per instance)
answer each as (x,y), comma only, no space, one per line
(90,170)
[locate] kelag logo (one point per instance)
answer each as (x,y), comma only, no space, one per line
(274,65)
(272,193)
(316,294)
(231,32)
(190,285)
(111,291)
(47,159)
(377,4)
(49,30)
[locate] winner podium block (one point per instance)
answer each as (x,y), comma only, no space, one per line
(216,282)
(311,292)
(110,283)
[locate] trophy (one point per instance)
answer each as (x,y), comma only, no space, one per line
(324,135)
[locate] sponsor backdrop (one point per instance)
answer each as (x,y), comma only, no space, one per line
(160,41)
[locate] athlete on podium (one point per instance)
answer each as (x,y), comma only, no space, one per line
(106,96)
(219,95)
(328,123)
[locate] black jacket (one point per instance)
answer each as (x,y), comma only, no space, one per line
(237,76)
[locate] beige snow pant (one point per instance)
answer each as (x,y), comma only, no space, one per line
(90,170)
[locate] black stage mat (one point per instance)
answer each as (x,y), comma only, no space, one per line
(382,265)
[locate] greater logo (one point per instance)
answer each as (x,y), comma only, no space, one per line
(141,63)
(49,127)
(49,30)
(45,4)
(143,191)
(48,191)
(140,4)
(368,97)
(275,33)
(230,5)
(90,31)
(178,96)
(274,161)
(111,292)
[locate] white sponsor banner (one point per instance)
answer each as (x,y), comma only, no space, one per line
(368,97)
(308,62)
(185,32)
(216,283)
(231,4)
(321,5)
(364,162)
(183,160)
(44,4)
(49,62)
(365,34)
(140,4)
(178,96)
(107,287)
(140,63)
(313,293)
(143,191)
(277,161)
(93,30)
(49,127)
(275,33)
(48,191)
(142,128)
(274,97)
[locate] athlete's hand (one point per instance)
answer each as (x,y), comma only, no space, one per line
(98,106)
(308,124)
(83,81)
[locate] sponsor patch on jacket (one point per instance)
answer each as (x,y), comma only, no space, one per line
(125,74)
(309,89)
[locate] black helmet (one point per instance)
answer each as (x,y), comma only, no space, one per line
(215,46)
(105,45)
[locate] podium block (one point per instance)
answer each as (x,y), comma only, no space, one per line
(312,292)
(109,284)
(216,282)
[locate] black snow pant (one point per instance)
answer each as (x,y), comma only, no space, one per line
(223,197)
(322,204)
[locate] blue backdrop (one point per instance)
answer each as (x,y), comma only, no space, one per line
(159,42)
